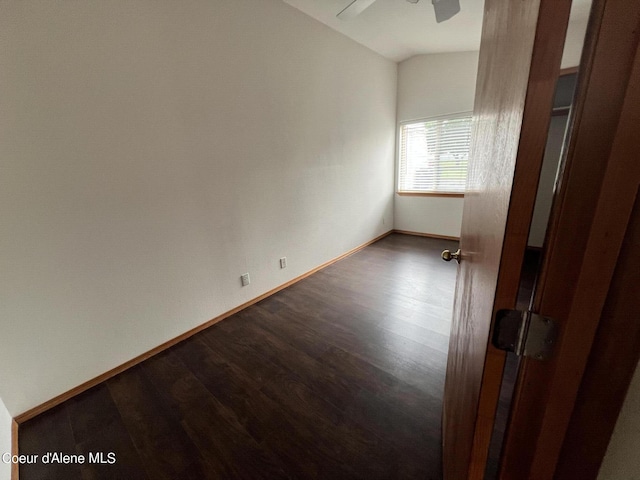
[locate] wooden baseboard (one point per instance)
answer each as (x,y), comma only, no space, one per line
(15,470)
(430,235)
(33,412)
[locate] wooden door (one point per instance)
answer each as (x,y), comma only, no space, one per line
(583,264)
(520,55)
(592,217)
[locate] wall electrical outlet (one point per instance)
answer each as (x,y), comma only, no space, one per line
(245,279)
(283,262)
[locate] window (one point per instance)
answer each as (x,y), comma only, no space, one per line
(434,155)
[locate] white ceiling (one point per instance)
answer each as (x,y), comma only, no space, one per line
(397,29)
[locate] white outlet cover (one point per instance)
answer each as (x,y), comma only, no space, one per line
(283,262)
(245,279)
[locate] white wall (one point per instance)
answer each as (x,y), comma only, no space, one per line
(576,30)
(5,440)
(153,151)
(430,86)
(622,461)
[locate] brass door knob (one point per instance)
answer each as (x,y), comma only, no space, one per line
(447,256)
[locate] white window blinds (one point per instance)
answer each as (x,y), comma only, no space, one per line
(434,155)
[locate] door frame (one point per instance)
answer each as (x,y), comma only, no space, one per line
(589,221)
(591,214)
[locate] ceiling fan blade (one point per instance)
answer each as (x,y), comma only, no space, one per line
(445,9)
(355,8)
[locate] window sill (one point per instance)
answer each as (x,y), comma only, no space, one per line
(430,194)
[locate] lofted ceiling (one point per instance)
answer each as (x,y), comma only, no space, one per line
(397,29)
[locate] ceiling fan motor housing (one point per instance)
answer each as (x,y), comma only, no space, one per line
(445,9)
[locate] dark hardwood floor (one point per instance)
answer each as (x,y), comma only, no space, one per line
(338,376)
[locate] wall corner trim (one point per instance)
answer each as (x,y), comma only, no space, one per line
(33,412)
(15,470)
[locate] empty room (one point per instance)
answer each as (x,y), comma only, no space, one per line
(290,239)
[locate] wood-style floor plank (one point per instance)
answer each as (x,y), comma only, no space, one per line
(264,419)
(162,444)
(338,376)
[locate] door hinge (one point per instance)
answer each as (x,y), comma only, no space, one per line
(525,333)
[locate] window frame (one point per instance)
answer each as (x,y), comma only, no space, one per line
(413,193)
